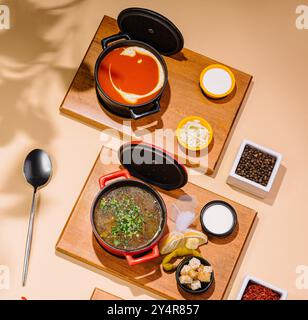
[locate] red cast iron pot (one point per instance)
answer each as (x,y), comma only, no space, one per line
(152,247)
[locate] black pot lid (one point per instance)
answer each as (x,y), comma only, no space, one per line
(152,28)
(153,165)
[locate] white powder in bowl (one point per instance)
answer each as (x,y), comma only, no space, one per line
(217,81)
(218,219)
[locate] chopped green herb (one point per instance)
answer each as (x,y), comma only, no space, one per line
(128,218)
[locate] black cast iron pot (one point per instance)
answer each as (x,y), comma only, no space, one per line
(137,111)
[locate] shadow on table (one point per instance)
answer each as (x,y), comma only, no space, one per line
(28,68)
(135,290)
(241,258)
(237,119)
(271,198)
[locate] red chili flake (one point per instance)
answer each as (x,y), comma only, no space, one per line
(24,298)
(256,291)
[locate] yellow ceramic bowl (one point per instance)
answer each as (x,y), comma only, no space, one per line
(204,123)
(224,71)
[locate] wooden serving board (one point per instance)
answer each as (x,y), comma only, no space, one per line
(182,97)
(77,241)
(102,295)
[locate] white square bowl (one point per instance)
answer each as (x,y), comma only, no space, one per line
(249,185)
(283,293)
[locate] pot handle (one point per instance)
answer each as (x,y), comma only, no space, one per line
(148,257)
(137,116)
(104,179)
(113,38)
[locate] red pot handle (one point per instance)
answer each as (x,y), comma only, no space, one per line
(104,179)
(148,257)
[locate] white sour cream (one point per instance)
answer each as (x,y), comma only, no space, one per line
(217,81)
(218,219)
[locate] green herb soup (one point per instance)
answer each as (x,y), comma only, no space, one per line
(128,217)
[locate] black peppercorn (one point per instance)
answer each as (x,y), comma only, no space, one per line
(256,165)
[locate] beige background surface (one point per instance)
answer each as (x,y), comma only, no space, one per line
(38,59)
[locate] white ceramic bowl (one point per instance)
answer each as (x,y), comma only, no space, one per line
(283,293)
(249,185)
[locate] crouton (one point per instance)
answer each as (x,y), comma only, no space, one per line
(194,263)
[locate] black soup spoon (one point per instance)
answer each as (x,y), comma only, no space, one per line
(37,171)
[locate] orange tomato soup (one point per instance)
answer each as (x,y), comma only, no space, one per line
(131,75)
